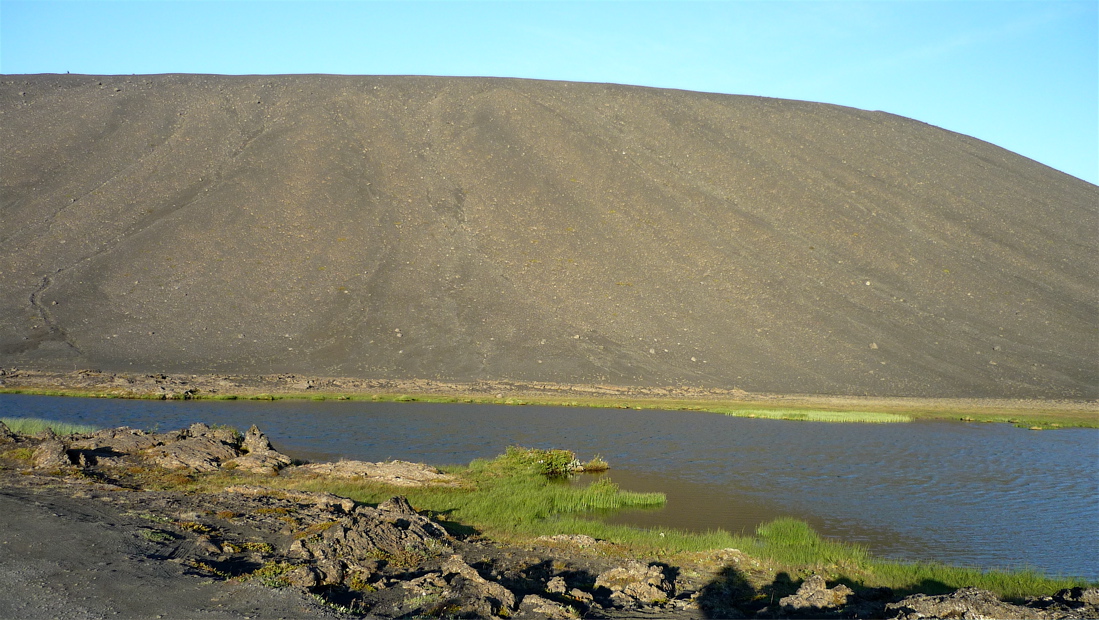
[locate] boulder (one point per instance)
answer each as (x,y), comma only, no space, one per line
(331,572)
(122,440)
(535,605)
(259,456)
(51,453)
(472,593)
(256,441)
(392,529)
(636,584)
(814,593)
(197,453)
(1068,603)
(395,473)
(557,585)
(304,577)
(324,501)
(966,603)
(1078,598)
(6,436)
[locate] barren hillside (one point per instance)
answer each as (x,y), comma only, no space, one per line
(463,229)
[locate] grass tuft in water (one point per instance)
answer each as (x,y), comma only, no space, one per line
(552,462)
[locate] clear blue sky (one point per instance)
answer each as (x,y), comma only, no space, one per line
(1022,75)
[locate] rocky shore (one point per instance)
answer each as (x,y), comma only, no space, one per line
(184,386)
(248,547)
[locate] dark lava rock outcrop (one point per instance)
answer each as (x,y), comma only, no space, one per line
(489,229)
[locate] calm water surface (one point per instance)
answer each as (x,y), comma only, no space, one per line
(987,495)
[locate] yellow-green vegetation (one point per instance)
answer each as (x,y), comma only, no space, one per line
(811,415)
(195,526)
(315,530)
(273,574)
(157,535)
(207,568)
(33,426)
(20,454)
(1035,415)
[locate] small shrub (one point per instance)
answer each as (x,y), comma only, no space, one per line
(359,580)
(273,574)
(196,527)
(157,535)
(597,464)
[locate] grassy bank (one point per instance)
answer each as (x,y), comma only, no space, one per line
(1035,415)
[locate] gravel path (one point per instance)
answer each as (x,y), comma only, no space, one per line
(65,558)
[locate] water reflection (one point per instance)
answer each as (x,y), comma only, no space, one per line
(988,495)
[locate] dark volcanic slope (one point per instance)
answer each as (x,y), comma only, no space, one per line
(486,228)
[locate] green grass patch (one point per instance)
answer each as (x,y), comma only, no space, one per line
(816,415)
(33,426)
(792,542)
(520,491)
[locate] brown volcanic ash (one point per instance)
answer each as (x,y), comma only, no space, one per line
(465,229)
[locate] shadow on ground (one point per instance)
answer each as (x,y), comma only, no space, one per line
(732,595)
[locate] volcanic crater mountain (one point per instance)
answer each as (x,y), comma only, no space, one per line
(482,228)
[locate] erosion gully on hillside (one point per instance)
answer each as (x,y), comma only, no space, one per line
(163,538)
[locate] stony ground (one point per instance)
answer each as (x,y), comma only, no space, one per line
(117,523)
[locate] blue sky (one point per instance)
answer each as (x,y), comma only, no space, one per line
(1022,75)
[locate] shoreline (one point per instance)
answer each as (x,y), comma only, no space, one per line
(215,508)
(1029,413)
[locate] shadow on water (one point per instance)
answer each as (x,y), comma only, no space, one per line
(732,595)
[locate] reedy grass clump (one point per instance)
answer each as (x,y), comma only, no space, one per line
(792,541)
(553,463)
(33,426)
(813,415)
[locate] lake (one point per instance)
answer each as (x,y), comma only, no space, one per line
(985,495)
